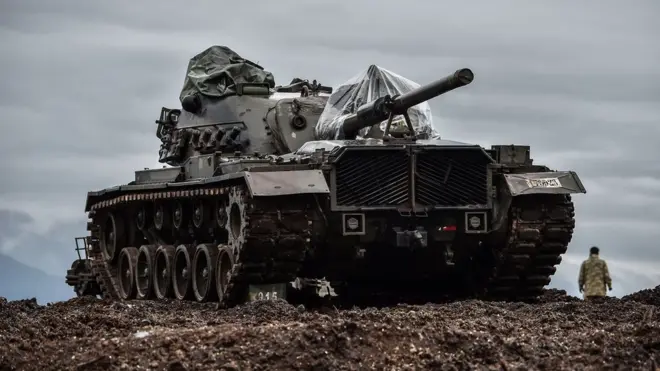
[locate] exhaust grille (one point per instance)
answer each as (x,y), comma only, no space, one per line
(374,177)
(451,178)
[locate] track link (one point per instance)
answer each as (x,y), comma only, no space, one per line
(268,241)
(105,273)
(273,244)
(541,227)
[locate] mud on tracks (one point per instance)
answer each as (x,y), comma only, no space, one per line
(559,332)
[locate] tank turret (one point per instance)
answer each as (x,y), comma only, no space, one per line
(231,105)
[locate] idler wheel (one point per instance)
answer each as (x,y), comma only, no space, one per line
(224,265)
(112,236)
(182,280)
(204,265)
(162,273)
(143,271)
(126,273)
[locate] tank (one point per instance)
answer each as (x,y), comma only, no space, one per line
(302,192)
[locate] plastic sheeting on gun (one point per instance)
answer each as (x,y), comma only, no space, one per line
(370,84)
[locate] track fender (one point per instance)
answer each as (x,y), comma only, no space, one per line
(552,182)
(288,182)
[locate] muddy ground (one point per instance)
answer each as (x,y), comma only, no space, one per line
(560,332)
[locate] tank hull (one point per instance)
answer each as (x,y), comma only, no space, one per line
(253,234)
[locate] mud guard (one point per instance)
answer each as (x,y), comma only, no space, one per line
(552,182)
(280,183)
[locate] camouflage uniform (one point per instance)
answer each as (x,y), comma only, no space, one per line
(594,277)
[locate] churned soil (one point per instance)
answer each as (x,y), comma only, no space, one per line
(648,296)
(559,332)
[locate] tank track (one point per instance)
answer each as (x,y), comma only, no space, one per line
(105,273)
(269,242)
(273,243)
(541,227)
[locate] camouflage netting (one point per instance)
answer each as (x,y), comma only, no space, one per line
(216,71)
(369,85)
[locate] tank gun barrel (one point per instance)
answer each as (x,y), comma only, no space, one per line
(380,109)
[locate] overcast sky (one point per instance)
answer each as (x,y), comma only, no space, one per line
(83,81)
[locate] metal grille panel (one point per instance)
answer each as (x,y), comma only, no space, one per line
(451,178)
(375,177)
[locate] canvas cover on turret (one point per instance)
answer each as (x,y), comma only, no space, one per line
(216,71)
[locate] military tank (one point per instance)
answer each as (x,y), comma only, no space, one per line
(301,191)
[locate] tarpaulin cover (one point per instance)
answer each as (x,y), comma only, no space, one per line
(216,71)
(368,85)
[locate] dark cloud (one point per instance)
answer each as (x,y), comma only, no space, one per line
(83,82)
(51,249)
(11,224)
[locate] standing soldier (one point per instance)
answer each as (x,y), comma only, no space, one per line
(594,276)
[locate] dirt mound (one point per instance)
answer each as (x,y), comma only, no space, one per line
(555,295)
(560,332)
(648,296)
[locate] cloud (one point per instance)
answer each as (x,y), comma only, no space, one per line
(51,250)
(12,224)
(83,83)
